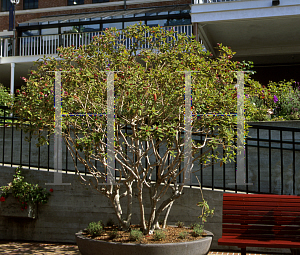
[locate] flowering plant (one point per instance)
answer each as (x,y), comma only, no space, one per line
(24,192)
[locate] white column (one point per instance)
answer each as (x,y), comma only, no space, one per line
(12,78)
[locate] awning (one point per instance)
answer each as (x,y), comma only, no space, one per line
(110,14)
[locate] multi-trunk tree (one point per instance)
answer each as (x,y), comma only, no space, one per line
(149,107)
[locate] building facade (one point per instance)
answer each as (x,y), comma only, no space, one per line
(43,27)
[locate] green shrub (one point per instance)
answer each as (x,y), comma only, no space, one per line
(95,228)
(179,224)
(135,235)
(197,230)
(183,235)
(159,235)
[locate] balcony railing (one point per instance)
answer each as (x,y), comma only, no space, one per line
(6,47)
(48,44)
(211,1)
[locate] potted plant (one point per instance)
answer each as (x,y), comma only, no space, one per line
(149,108)
(20,198)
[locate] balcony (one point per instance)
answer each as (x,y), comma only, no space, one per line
(48,44)
(263,31)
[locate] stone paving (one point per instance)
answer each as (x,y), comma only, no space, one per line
(16,248)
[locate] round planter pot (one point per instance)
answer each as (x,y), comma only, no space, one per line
(88,246)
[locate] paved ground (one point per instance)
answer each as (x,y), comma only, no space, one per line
(15,248)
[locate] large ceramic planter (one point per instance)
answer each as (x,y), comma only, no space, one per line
(88,246)
(12,208)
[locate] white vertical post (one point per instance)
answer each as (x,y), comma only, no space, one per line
(57,133)
(110,129)
(12,78)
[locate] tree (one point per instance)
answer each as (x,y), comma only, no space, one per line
(149,92)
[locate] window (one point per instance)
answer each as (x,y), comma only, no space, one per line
(117,25)
(49,31)
(5,4)
(130,23)
(155,23)
(30,4)
(100,1)
(90,28)
(75,2)
(31,33)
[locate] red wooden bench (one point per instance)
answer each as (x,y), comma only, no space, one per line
(251,220)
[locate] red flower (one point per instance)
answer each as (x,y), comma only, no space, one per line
(2,199)
(51,190)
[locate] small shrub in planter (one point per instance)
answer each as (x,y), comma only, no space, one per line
(197,230)
(179,224)
(159,235)
(136,235)
(183,235)
(95,228)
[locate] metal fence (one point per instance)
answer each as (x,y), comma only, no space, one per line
(272,157)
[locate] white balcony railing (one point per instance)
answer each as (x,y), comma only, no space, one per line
(47,44)
(212,1)
(6,47)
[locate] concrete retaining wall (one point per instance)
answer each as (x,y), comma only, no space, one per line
(71,208)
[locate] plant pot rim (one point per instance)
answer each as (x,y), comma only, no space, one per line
(208,234)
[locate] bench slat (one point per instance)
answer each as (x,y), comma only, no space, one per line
(241,243)
(261,204)
(251,212)
(259,219)
(265,208)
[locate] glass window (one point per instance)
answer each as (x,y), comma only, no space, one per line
(98,18)
(129,16)
(175,22)
(155,23)
(75,2)
(100,1)
(5,4)
(49,31)
(174,12)
(162,13)
(139,15)
(53,22)
(151,14)
(130,23)
(85,19)
(30,33)
(117,17)
(185,11)
(90,28)
(30,4)
(70,29)
(117,25)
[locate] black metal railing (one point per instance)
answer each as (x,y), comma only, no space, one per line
(272,159)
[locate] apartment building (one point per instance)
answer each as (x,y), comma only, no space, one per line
(266,32)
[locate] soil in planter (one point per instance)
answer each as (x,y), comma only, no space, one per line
(172,235)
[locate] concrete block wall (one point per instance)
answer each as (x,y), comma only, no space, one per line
(72,207)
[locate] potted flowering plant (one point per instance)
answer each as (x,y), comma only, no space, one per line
(20,198)
(149,109)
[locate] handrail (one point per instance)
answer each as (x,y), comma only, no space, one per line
(48,44)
